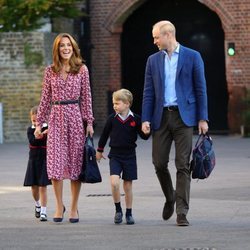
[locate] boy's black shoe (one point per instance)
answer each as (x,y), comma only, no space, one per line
(130,220)
(118,218)
(37,211)
(182,220)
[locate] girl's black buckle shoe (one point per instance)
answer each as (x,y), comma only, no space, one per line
(37,211)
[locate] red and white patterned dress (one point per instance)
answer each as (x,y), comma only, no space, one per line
(66,135)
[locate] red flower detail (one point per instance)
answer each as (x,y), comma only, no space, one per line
(132,124)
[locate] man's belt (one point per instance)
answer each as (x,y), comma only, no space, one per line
(171,108)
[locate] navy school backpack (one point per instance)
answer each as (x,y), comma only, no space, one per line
(203,157)
(90,172)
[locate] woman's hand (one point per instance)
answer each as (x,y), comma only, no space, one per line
(90,131)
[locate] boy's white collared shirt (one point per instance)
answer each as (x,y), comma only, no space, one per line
(124,118)
(43,126)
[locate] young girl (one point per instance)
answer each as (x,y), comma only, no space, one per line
(36,174)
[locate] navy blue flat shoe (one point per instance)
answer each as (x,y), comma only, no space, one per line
(59,219)
(74,220)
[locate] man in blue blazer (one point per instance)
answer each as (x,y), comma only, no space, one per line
(174,101)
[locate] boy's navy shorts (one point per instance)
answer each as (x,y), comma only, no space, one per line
(124,165)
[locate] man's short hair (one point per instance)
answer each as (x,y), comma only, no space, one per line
(165,26)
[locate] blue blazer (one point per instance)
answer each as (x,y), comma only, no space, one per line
(190,88)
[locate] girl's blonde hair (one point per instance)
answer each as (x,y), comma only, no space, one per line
(34,110)
(75,61)
(123,95)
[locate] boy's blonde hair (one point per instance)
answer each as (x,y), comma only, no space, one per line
(123,95)
(33,110)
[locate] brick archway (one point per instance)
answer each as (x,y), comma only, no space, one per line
(120,18)
(107,19)
(121,12)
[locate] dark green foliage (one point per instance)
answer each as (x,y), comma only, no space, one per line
(25,15)
(32,57)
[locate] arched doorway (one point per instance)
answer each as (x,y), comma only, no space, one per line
(197,27)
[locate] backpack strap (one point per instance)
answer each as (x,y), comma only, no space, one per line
(201,138)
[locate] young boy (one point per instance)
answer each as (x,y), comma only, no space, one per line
(122,127)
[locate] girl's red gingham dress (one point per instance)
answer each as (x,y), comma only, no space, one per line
(66,135)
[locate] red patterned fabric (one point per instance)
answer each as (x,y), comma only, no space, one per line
(66,135)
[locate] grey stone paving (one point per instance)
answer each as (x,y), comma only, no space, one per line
(219,209)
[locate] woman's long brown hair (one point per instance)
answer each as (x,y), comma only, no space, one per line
(75,61)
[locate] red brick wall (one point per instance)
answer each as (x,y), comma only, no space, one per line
(20,86)
(107,18)
(106,69)
(235,19)
(21,76)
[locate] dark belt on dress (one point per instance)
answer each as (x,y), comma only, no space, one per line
(171,108)
(65,102)
(36,147)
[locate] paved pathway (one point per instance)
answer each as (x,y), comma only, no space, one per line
(219,209)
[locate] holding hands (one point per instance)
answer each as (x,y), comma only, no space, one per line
(145,128)
(99,156)
(38,134)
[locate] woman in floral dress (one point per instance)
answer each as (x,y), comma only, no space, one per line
(66,105)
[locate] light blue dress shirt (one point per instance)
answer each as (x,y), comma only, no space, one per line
(170,68)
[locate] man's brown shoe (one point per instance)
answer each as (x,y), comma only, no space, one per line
(182,220)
